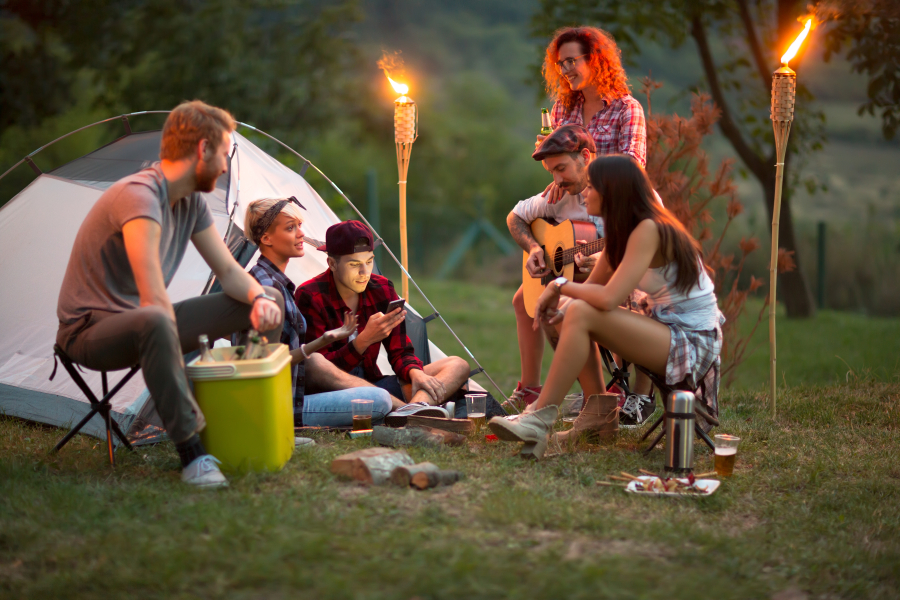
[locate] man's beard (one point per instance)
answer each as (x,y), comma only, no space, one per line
(206,179)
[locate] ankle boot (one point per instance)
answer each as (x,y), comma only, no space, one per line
(532,428)
(598,418)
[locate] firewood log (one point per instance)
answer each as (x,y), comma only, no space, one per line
(372,466)
(415,436)
(429,479)
(461,426)
(402,476)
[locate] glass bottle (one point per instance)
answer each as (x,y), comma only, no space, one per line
(205,352)
(546,129)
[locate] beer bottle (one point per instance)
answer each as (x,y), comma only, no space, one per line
(252,345)
(546,129)
(205,352)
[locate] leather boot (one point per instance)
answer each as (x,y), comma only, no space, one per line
(533,428)
(599,418)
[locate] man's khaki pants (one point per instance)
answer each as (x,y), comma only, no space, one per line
(107,341)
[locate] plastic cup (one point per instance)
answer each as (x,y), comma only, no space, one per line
(726,452)
(475,409)
(362,414)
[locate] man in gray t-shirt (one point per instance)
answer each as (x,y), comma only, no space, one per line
(113,307)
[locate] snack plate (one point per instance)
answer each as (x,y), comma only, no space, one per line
(710,485)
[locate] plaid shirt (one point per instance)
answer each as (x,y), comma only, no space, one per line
(266,273)
(320,301)
(617,129)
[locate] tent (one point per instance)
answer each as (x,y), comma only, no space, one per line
(56,202)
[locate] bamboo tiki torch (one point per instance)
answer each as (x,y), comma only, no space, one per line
(406,125)
(784,93)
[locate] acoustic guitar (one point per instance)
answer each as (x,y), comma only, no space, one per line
(558,243)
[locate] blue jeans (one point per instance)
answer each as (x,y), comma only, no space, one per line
(333,409)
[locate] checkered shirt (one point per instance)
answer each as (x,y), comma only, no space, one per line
(294,330)
(619,128)
(320,301)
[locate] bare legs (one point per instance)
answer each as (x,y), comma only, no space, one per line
(452,371)
(531,343)
(634,337)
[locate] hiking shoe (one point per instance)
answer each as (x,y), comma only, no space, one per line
(203,472)
(398,417)
(521,397)
(636,410)
(532,428)
(300,442)
(598,419)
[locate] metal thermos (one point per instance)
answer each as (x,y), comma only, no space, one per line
(680,432)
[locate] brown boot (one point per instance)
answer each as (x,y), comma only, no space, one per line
(599,418)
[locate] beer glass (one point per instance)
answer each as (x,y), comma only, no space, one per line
(475,409)
(726,452)
(362,414)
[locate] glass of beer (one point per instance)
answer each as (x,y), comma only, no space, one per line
(362,414)
(475,410)
(726,452)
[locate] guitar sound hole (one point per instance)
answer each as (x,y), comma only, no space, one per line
(558,260)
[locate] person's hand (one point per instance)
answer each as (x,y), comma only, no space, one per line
(535,264)
(583,263)
(345,331)
(540,138)
(553,193)
(547,304)
(379,327)
(430,385)
(265,315)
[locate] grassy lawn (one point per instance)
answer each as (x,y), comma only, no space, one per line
(813,505)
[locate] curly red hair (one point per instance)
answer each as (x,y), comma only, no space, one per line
(604,61)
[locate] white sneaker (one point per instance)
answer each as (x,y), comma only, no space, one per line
(303,442)
(203,472)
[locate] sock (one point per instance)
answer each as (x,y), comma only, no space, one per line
(190,449)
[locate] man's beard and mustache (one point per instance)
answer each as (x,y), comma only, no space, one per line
(573,187)
(206,178)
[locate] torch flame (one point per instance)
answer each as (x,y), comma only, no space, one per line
(792,51)
(400,88)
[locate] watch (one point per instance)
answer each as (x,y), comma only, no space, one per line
(560,281)
(263,296)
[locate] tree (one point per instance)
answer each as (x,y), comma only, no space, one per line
(753,35)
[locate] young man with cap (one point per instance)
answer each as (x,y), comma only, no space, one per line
(323,394)
(114,310)
(350,285)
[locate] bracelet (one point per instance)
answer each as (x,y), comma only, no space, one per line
(303,352)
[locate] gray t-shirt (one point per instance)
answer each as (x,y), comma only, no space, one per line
(99,276)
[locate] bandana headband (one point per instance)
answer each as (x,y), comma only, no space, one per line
(262,226)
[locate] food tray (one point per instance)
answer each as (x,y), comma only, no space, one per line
(711,485)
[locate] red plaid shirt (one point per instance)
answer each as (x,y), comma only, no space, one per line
(619,128)
(319,301)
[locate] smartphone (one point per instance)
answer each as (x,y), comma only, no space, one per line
(394,305)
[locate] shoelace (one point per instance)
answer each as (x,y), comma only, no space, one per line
(632,405)
(206,465)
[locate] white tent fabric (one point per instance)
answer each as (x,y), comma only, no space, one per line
(52,207)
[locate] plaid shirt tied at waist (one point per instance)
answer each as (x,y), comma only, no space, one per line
(618,128)
(323,306)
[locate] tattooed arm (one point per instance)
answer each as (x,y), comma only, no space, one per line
(521,233)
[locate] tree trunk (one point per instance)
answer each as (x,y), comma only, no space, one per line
(792,287)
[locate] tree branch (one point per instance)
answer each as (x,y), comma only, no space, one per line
(755,48)
(729,129)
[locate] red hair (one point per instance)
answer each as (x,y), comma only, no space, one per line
(604,62)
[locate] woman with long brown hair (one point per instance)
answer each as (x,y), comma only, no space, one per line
(679,334)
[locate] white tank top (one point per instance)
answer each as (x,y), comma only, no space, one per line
(659,285)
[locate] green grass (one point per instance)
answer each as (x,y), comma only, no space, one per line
(813,506)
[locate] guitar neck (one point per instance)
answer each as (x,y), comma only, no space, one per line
(585,249)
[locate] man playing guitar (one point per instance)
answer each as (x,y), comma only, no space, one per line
(565,153)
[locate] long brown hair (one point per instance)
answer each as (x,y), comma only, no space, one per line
(604,61)
(627,198)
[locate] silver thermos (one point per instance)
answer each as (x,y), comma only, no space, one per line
(679,432)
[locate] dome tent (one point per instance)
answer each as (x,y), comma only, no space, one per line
(28,321)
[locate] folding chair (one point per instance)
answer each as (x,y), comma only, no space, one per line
(102,406)
(620,377)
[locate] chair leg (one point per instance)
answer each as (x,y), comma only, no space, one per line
(75,430)
(110,449)
(655,425)
(703,436)
(656,440)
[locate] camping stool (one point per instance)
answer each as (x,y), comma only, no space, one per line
(620,377)
(102,406)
